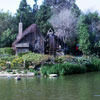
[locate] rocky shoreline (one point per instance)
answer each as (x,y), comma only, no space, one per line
(6,74)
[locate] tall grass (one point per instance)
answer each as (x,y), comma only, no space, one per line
(88,65)
(63,69)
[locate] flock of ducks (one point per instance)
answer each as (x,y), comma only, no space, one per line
(16,78)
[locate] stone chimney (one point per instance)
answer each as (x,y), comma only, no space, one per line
(20,29)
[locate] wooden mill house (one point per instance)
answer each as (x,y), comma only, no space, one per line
(32,40)
(29,40)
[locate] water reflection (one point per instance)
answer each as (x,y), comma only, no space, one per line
(75,87)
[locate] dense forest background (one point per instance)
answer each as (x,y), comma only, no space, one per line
(64,16)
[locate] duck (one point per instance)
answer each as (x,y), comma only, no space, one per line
(18,78)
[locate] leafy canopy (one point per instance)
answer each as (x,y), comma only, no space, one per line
(42,16)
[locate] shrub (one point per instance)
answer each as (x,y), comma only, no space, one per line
(25,71)
(7,57)
(6,51)
(32,59)
(91,63)
(2,63)
(18,71)
(9,70)
(63,69)
(17,62)
(14,72)
(59,59)
(22,54)
(31,70)
(36,72)
(95,62)
(5,61)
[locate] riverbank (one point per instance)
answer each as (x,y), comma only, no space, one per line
(45,65)
(72,66)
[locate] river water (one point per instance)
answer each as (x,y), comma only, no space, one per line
(74,87)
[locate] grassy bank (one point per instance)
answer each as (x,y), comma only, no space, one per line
(78,66)
(63,65)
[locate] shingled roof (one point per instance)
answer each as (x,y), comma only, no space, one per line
(31,29)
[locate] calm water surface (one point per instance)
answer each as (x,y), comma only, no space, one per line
(75,87)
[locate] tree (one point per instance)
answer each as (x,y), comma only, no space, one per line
(42,17)
(65,24)
(25,14)
(75,10)
(6,20)
(84,42)
(7,38)
(35,6)
(92,21)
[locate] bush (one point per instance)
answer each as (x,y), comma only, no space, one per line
(95,62)
(91,63)
(76,66)
(63,69)
(6,51)
(7,58)
(32,59)
(25,71)
(5,61)
(2,63)
(22,54)
(60,59)
(17,62)
(14,72)
(9,70)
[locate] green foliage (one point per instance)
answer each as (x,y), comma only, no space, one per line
(26,13)
(26,60)
(7,38)
(19,71)
(2,63)
(42,16)
(6,20)
(17,62)
(91,17)
(7,58)
(81,65)
(84,38)
(25,71)
(87,29)
(6,51)
(9,70)
(95,63)
(75,10)
(14,72)
(31,70)
(5,61)
(60,59)
(32,59)
(63,69)
(7,29)
(21,54)
(36,72)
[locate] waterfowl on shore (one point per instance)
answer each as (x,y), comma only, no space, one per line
(8,76)
(53,75)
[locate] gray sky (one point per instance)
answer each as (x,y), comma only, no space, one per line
(92,5)
(84,5)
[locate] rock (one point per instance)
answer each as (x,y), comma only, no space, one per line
(53,75)
(59,54)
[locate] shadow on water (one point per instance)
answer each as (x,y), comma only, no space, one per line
(74,87)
